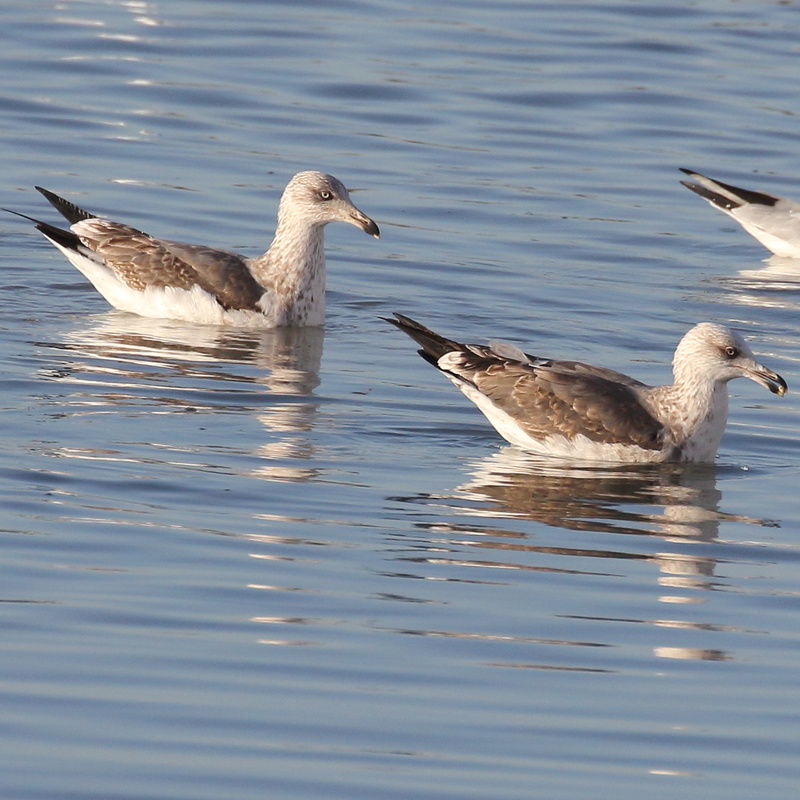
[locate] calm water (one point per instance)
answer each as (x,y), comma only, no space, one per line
(299,564)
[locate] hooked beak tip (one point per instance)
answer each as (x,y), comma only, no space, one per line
(371,228)
(768,379)
(774,382)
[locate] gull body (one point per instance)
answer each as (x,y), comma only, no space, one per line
(774,221)
(575,410)
(154,277)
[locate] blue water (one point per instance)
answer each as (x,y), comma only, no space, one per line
(296,564)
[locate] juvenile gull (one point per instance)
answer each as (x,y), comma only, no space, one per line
(774,221)
(575,410)
(160,278)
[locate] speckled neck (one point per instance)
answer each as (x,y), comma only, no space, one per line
(293,272)
(696,411)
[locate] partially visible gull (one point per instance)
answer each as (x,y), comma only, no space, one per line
(574,410)
(160,278)
(774,221)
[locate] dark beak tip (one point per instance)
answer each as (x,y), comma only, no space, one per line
(777,385)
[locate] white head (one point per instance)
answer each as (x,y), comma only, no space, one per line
(317,199)
(711,353)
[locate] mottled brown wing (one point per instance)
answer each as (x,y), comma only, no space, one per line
(545,397)
(136,258)
(566,398)
(141,261)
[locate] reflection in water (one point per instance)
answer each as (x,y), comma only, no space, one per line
(777,273)
(613,499)
(674,503)
(691,654)
(774,285)
(161,367)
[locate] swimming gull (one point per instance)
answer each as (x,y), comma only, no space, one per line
(160,278)
(774,221)
(575,410)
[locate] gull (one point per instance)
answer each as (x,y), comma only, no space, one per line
(160,278)
(774,221)
(575,410)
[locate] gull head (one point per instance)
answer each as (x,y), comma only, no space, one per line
(713,353)
(316,199)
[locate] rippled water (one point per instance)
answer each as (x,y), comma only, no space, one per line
(296,564)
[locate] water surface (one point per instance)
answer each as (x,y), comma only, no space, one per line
(298,563)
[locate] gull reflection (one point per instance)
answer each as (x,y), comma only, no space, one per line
(150,366)
(616,499)
(486,530)
(777,273)
(691,654)
(776,284)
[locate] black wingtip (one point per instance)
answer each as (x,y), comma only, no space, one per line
(410,326)
(715,198)
(69,211)
(65,238)
(20,214)
(433,345)
(742,195)
(402,321)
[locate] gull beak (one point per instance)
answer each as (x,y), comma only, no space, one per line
(366,224)
(766,377)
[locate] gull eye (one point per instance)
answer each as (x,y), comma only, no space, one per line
(731,352)
(326,194)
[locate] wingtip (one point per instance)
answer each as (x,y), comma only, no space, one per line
(20,214)
(402,321)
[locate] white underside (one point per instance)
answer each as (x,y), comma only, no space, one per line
(773,243)
(187,305)
(777,230)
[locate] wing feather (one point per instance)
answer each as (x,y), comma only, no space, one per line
(141,260)
(563,398)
